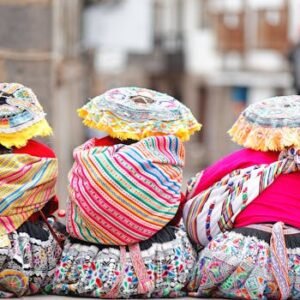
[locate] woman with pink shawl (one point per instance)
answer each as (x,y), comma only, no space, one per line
(243,211)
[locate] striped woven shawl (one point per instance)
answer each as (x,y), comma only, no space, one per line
(27,183)
(214,210)
(123,194)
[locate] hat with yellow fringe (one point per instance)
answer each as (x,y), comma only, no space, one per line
(135,113)
(272,124)
(21,116)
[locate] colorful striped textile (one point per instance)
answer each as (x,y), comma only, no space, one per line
(27,184)
(215,209)
(123,194)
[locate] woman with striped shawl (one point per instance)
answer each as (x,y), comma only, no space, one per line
(243,211)
(124,194)
(28,172)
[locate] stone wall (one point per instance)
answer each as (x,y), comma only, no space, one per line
(40,48)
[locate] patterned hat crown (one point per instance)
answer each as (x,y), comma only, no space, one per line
(271,124)
(21,115)
(135,113)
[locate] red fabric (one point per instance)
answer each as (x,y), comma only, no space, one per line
(279,202)
(38,149)
(35,148)
(107,141)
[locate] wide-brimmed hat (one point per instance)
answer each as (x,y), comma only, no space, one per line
(21,116)
(136,113)
(271,124)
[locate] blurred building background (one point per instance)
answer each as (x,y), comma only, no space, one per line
(216,56)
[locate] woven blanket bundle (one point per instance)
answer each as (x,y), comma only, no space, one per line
(27,184)
(124,194)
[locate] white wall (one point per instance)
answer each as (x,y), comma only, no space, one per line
(124,25)
(200,45)
(294,20)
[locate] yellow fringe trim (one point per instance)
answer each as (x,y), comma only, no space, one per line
(118,131)
(263,138)
(19,139)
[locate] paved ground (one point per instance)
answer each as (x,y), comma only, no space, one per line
(77,298)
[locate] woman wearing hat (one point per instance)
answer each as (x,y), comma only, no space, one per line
(124,193)
(243,211)
(28,172)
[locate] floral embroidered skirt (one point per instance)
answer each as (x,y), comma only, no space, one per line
(93,270)
(28,258)
(238,265)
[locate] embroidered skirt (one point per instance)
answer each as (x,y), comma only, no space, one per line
(239,265)
(28,258)
(95,270)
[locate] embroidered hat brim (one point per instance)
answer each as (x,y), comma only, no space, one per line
(21,116)
(136,113)
(269,125)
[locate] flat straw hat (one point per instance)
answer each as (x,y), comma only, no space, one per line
(136,113)
(271,124)
(21,116)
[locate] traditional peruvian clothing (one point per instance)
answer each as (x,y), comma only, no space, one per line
(28,171)
(242,212)
(124,192)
